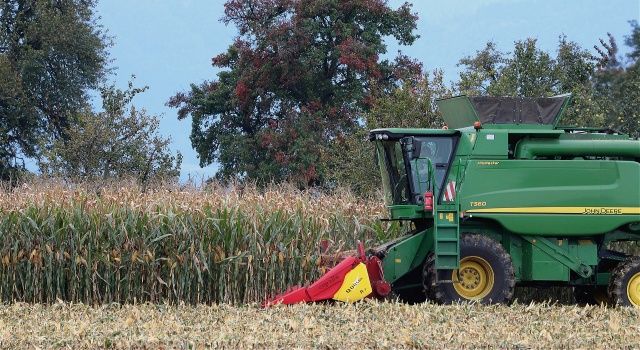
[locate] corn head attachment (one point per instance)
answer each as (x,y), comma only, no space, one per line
(354,278)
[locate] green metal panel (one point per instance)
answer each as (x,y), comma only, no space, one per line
(407,212)
(586,250)
(407,254)
(553,225)
(541,131)
(551,259)
(466,143)
(397,133)
(514,246)
(491,144)
(546,258)
(457,112)
(553,197)
(539,266)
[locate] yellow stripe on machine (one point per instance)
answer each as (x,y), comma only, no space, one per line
(562,210)
(356,285)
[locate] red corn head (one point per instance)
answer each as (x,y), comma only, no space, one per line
(353,279)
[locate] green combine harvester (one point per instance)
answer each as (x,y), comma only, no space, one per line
(503,197)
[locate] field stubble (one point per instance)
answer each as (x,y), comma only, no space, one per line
(368,324)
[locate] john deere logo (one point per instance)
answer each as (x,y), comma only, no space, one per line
(602,211)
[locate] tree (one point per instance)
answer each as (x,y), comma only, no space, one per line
(120,142)
(299,76)
(51,54)
(18,124)
(617,82)
(633,41)
(410,105)
(532,72)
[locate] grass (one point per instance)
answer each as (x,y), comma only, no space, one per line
(364,325)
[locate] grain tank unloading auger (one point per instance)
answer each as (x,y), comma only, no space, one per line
(503,197)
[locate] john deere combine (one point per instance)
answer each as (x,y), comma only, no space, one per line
(503,197)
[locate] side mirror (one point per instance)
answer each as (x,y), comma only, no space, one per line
(417,148)
(411,147)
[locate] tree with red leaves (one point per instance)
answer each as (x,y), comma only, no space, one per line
(299,75)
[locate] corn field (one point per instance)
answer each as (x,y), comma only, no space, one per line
(169,244)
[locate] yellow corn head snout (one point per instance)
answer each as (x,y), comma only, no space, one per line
(356,285)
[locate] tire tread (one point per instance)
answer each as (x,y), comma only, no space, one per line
(617,286)
(482,242)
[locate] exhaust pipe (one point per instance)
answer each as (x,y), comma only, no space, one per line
(531,148)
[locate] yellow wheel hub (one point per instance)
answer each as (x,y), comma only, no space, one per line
(633,290)
(474,279)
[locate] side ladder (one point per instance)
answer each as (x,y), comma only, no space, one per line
(446,228)
(447,237)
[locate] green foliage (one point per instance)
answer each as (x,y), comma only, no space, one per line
(626,95)
(633,41)
(606,92)
(352,161)
(530,72)
(299,75)
(411,105)
(618,83)
(605,89)
(51,53)
(120,142)
(17,122)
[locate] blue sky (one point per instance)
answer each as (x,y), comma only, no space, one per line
(168,44)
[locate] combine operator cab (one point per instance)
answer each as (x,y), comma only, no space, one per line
(412,165)
(415,165)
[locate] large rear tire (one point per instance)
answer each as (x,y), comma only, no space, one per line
(485,274)
(624,286)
